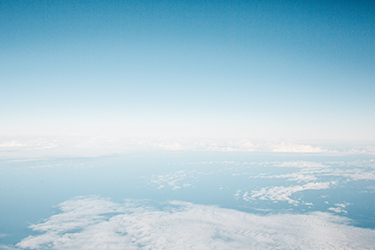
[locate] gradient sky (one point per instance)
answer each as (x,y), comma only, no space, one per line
(255,69)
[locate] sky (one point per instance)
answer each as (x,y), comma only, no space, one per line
(301,70)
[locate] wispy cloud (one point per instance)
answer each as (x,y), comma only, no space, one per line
(93,223)
(3,235)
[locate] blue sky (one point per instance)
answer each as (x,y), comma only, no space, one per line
(254,69)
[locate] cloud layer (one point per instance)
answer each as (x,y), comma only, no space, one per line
(283,193)
(96,223)
(13,147)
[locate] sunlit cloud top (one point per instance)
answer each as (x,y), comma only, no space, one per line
(87,223)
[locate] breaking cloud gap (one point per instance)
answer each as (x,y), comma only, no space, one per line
(96,223)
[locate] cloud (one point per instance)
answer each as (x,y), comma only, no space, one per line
(243,146)
(174,180)
(343,205)
(363,172)
(337,210)
(290,177)
(5,247)
(76,145)
(288,147)
(283,193)
(355,174)
(340,207)
(11,144)
(301,164)
(94,223)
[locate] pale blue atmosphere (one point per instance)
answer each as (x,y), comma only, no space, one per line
(187,125)
(200,68)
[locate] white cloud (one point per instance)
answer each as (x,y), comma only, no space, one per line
(93,223)
(337,210)
(343,205)
(355,174)
(283,193)
(290,177)
(237,194)
(340,207)
(243,145)
(11,144)
(75,145)
(288,147)
(301,164)
(47,146)
(175,180)
(363,172)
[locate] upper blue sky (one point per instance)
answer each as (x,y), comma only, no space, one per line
(255,69)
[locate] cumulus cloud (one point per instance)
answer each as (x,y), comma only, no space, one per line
(340,207)
(355,174)
(94,223)
(337,210)
(282,193)
(174,180)
(343,205)
(290,177)
(364,170)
